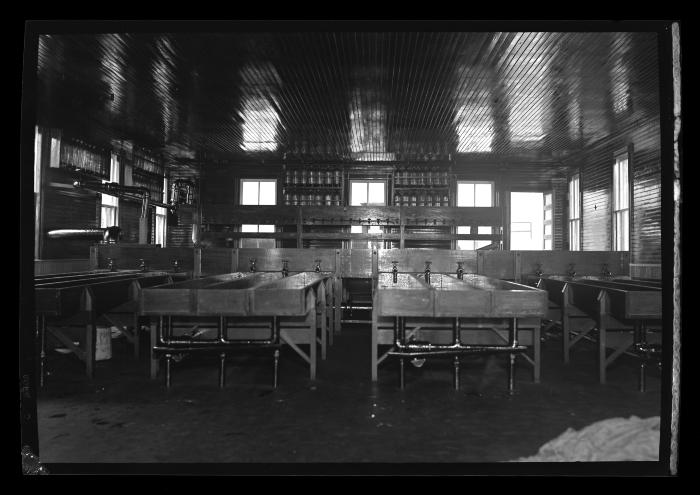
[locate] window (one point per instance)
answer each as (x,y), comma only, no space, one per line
(258,192)
(162,218)
(367,193)
(574,214)
(109,209)
(621,198)
(472,194)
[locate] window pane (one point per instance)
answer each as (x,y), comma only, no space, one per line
(465,194)
(548,244)
(547,215)
(482,194)
(484,230)
(37,159)
(374,229)
(464,244)
(547,199)
(249,192)
(548,229)
(266,228)
(358,194)
(356,229)
(376,193)
(249,228)
(479,244)
(267,193)
(109,200)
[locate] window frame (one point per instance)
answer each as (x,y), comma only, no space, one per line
(476,244)
(574,212)
(243,242)
(621,193)
(108,202)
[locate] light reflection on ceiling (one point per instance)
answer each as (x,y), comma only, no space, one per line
(259,108)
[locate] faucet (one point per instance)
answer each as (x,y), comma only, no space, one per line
(142,265)
(252,263)
(427,271)
(539,271)
(571,272)
(460,270)
(318,265)
(395,271)
(606,271)
(176,265)
(285,268)
(111,265)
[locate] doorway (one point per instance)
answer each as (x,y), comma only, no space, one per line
(530,221)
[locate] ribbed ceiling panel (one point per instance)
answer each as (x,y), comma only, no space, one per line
(329,96)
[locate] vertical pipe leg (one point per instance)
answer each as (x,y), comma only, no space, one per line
(222,370)
(168,365)
(401,374)
(324,336)
(456,376)
(511,373)
(511,357)
(642,365)
(276,367)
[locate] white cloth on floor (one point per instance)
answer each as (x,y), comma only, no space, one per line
(615,439)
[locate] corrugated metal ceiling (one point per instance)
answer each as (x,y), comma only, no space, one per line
(329,96)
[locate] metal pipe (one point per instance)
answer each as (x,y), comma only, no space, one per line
(456,371)
(133,193)
(107,234)
(413,349)
(222,370)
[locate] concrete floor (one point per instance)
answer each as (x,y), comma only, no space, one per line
(123,417)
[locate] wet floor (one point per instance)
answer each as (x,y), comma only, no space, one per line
(342,417)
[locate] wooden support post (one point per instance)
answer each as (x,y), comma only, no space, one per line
(156,328)
(137,334)
(234,261)
(375,333)
(536,344)
(197,270)
(41,326)
(565,325)
(143,229)
(602,335)
(88,304)
(322,316)
(311,322)
(300,228)
(90,334)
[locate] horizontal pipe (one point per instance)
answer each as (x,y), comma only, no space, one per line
(108,234)
(215,348)
(216,343)
(451,349)
(125,192)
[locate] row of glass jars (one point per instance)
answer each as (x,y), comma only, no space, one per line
(313,177)
(421,199)
(318,199)
(421,176)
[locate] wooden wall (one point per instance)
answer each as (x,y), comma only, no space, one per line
(595,163)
